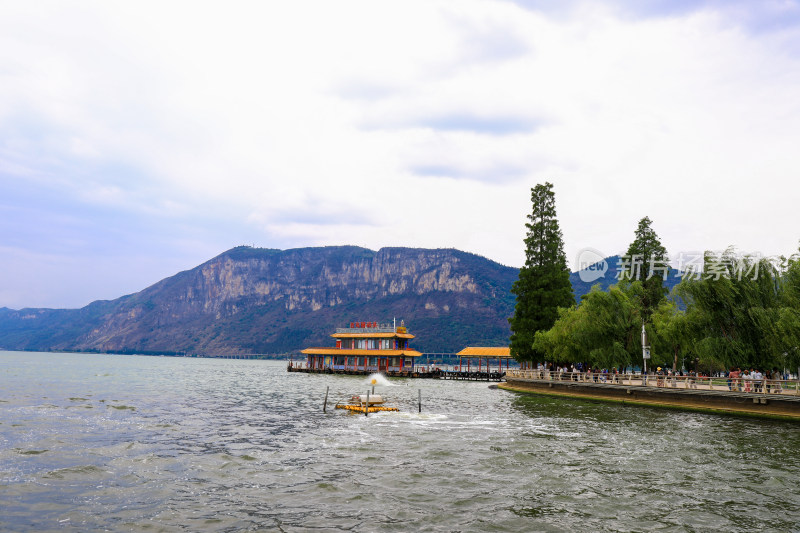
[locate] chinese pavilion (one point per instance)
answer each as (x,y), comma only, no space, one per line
(365,347)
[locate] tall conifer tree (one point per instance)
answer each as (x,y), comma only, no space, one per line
(649,264)
(543,285)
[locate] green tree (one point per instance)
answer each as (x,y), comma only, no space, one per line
(647,261)
(672,329)
(739,312)
(562,343)
(603,331)
(735,312)
(788,326)
(543,285)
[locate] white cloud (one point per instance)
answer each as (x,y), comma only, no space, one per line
(412,123)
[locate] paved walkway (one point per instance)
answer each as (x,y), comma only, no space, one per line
(738,386)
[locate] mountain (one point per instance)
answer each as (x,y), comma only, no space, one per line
(255,300)
(251,300)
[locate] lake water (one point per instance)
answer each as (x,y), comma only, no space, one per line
(112,442)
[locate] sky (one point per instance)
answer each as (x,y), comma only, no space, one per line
(140,139)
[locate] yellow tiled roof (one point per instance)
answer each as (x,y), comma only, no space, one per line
(477,351)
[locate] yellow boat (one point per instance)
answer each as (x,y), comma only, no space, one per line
(360,408)
(359,404)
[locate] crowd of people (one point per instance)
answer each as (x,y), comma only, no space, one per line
(748,380)
(753,380)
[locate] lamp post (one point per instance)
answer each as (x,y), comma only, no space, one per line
(645,352)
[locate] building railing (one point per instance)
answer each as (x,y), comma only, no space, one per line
(419,368)
(302,365)
(380,329)
(721,384)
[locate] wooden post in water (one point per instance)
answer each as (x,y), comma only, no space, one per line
(366,408)
(419,399)
(325,403)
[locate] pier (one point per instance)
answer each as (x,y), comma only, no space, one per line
(421,373)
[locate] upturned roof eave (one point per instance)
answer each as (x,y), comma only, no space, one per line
(371,353)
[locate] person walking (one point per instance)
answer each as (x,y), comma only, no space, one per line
(757,380)
(777,386)
(735,379)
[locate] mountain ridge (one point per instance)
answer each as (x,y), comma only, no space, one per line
(248,300)
(265,300)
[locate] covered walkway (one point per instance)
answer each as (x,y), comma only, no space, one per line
(485,356)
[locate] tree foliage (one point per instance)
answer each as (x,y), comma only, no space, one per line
(670,336)
(744,312)
(543,285)
(648,262)
(739,312)
(602,331)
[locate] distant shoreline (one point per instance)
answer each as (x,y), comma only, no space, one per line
(270,357)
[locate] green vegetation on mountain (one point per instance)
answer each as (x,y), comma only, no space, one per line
(250,300)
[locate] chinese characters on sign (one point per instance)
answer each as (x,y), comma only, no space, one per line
(691,266)
(630,267)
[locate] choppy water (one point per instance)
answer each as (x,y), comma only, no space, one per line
(90,442)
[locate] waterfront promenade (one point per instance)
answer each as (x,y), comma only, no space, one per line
(771,386)
(777,398)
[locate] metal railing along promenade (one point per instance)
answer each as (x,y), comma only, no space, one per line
(720,384)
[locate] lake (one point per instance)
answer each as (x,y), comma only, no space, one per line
(137,443)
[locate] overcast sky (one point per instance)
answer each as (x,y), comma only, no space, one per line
(139,139)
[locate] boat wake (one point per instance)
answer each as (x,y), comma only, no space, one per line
(379,379)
